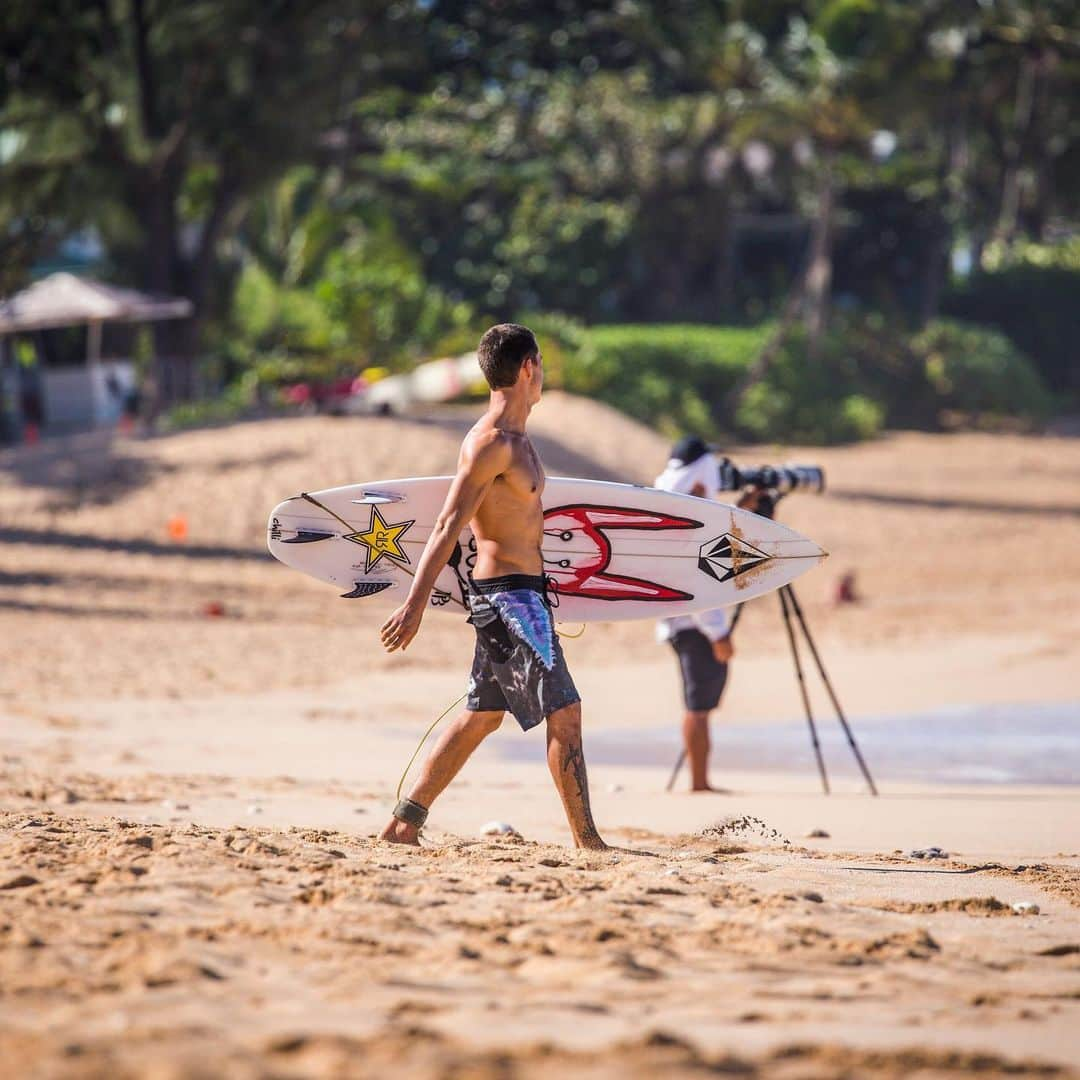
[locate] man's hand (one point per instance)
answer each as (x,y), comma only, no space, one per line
(484,456)
(750,499)
(401,627)
(723,650)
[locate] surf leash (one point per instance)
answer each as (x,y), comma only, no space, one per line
(315,502)
(420,744)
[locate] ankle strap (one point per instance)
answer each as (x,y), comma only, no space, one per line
(412,813)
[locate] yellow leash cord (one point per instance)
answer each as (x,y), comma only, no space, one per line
(420,744)
(442,716)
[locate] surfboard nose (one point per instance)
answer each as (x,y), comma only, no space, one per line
(780,542)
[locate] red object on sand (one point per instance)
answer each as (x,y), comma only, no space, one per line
(177,528)
(845,590)
(214,609)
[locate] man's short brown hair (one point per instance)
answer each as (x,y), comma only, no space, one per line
(503,349)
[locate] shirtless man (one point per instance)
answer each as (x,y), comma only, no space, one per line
(518,664)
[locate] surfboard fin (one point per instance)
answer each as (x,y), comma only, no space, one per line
(366,588)
(308,536)
(378,498)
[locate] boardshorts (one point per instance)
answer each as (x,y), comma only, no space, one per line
(703,676)
(518,664)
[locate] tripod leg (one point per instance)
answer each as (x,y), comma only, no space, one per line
(802,686)
(828,686)
(675,771)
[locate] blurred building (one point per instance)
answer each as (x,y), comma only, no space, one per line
(54,372)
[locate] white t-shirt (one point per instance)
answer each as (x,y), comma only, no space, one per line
(683,479)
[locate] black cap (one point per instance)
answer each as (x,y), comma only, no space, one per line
(688,449)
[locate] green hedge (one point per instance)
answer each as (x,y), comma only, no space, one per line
(824,401)
(979,372)
(673,377)
(867,375)
(1035,301)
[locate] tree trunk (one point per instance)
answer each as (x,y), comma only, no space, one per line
(818,281)
(1022,112)
(809,295)
(949,207)
(763,362)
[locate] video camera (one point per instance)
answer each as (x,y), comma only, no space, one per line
(782,479)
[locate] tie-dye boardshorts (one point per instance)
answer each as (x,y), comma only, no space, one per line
(518,664)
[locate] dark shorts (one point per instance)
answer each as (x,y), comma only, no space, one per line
(518,664)
(703,676)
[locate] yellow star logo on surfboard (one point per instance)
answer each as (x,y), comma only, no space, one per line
(382,540)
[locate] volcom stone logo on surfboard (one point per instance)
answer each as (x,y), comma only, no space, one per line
(585,573)
(727,556)
(382,540)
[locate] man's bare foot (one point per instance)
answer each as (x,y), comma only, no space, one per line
(401,832)
(712,790)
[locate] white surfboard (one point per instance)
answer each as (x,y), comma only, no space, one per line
(611,551)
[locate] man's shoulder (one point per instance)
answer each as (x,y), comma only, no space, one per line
(488,445)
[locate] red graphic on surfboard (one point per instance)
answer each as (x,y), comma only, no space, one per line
(585,573)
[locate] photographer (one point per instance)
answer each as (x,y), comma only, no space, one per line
(702,642)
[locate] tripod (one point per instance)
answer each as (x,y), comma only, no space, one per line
(789,605)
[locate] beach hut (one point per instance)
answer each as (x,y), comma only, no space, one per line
(92,392)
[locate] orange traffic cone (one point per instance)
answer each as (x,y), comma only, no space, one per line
(177,528)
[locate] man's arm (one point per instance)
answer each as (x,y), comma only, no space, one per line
(482,460)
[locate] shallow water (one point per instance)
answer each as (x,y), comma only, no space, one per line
(979,744)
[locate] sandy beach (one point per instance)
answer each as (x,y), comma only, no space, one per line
(197,747)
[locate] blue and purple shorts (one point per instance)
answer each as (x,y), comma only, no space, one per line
(518,664)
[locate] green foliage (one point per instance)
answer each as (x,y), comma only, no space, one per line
(152,120)
(867,375)
(382,305)
(241,399)
(346,183)
(309,308)
(1031,295)
(979,372)
(267,316)
(673,377)
(827,399)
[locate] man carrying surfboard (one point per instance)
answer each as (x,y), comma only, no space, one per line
(518,664)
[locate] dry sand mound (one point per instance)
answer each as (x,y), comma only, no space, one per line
(224,480)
